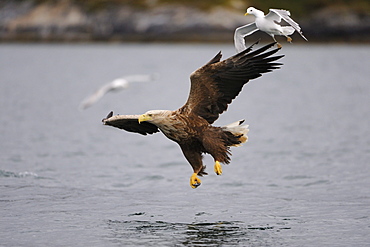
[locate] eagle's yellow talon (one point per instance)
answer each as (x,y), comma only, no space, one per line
(218,168)
(289,39)
(278,45)
(194,181)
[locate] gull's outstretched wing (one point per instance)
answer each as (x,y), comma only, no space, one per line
(97,95)
(240,33)
(141,78)
(217,83)
(278,14)
(130,123)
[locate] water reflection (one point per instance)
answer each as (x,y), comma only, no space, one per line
(161,233)
(215,234)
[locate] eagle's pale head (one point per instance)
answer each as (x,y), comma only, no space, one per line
(155,116)
(168,122)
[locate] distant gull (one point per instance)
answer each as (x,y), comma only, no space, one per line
(268,24)
(116,85)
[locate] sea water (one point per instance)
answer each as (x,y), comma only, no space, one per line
(302,179)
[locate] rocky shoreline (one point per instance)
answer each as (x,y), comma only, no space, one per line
(63,21)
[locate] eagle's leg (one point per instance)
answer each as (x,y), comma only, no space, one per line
(289,39)
(195,159)
(195,181)
(218,168)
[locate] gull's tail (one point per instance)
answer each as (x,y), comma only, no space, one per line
(288,30)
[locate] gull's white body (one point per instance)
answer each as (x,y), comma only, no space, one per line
(116,85)
(268,24)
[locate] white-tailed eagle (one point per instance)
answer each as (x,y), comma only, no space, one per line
(213,87)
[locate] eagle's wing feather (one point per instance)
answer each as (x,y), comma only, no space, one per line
(130,123)
(215,85)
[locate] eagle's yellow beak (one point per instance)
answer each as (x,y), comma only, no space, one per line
(144,118)
(246,14)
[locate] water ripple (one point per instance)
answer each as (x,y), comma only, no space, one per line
(4,173)
(160,233)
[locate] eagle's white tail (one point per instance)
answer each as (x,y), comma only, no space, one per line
(237,129)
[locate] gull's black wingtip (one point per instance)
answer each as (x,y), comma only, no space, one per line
(108,116)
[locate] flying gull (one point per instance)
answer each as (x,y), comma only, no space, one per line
(116,85)
(268,24)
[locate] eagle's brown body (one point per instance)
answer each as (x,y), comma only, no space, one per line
(197,136)
(213,87)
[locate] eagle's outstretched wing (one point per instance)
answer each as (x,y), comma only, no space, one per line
(217,83)
(130,123)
